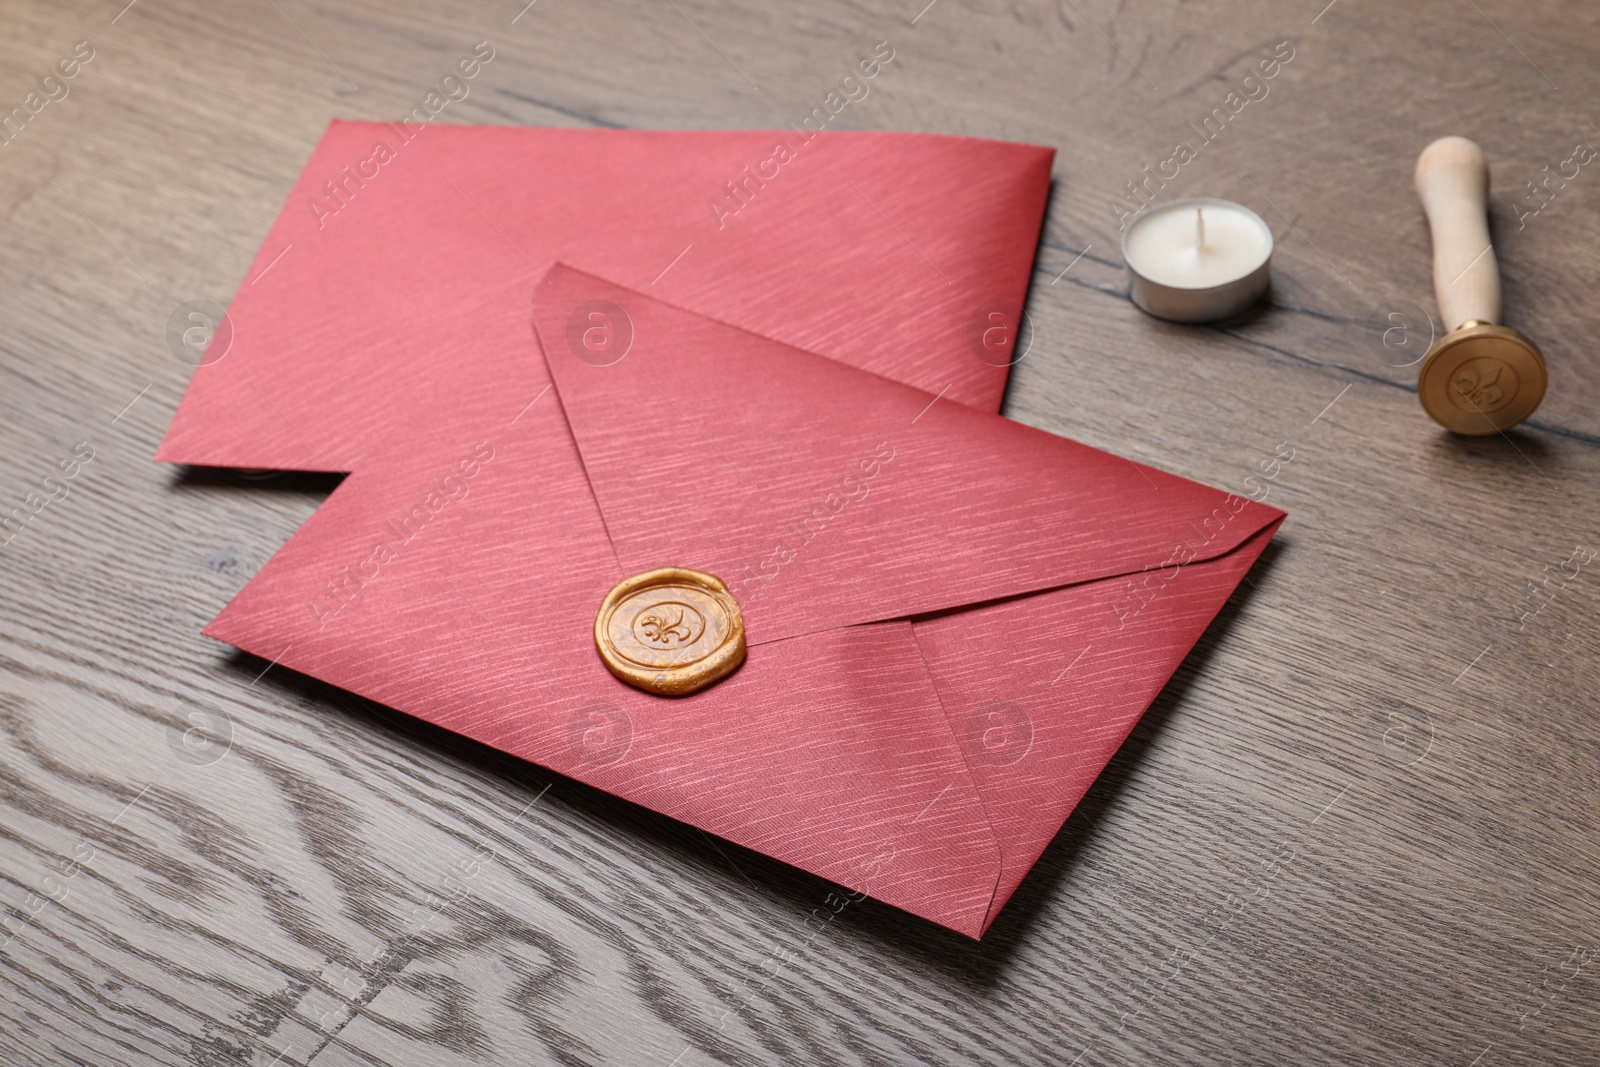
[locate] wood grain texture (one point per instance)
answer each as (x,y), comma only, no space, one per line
(1360,826)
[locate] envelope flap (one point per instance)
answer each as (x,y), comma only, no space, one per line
(827,496)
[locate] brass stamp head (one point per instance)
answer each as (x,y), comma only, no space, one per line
(1481,378)
(670,631)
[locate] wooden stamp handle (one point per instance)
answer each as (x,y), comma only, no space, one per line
(1453,181)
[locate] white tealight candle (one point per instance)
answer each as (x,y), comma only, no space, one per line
(1197,260)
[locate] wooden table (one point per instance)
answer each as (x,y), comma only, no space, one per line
(1360,826)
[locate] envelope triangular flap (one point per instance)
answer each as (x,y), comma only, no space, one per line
(828,496)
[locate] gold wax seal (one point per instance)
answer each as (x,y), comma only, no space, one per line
(1481,378)
(670,631)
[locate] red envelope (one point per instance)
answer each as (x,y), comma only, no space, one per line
(905,254)
(953,619)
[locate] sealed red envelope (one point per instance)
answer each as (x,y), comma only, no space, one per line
(953,620)
(905,254)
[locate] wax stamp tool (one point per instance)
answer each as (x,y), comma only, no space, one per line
(1481,377)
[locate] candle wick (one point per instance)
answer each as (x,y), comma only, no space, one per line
(1199,229)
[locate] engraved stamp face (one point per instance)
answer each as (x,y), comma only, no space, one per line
(670,624)
(667,626)
(1484,384)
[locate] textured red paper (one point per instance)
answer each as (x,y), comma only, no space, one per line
(939,667)
(887,251)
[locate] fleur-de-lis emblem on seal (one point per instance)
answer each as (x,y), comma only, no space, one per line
(664,625)
(1478,385)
